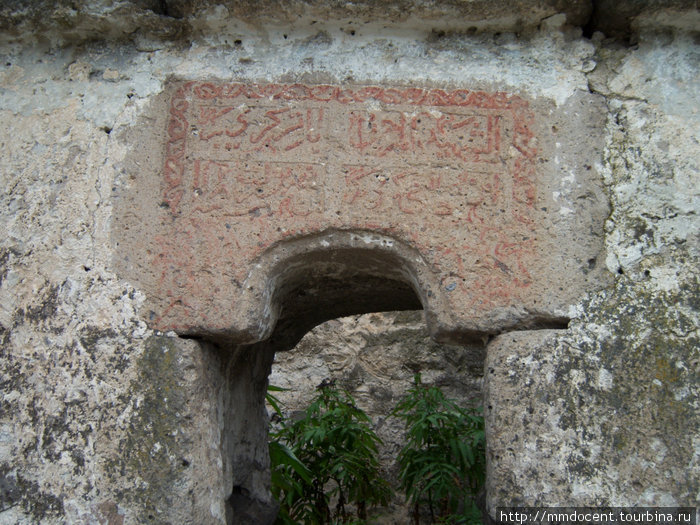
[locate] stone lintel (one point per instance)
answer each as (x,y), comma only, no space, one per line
(483,208)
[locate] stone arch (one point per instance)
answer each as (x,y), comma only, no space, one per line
(307,281)
(458,176)
(337,273)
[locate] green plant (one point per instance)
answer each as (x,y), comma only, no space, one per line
(443,463)
(288,474)
(329,456)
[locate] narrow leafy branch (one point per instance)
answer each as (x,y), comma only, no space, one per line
(328,456)
(443,463)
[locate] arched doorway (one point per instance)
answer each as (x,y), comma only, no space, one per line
(350,273)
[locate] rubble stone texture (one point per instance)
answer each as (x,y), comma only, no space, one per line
(138,330)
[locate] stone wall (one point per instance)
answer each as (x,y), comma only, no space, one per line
(109,417)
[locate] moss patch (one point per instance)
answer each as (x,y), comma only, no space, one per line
(152,450)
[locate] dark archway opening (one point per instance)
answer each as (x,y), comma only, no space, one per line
(314,288)
(306,289)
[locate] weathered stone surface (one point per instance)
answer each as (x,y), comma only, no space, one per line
(620,18)
(462,196)
(478,14)
(74,334)
(560,405)
(150,24)
(150,21)
(616,397)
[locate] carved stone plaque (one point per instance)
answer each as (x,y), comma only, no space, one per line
(456,176)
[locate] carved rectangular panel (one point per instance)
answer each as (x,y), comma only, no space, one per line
(459,176)
(297,157)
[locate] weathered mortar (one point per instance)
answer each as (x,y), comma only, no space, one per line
(77,351)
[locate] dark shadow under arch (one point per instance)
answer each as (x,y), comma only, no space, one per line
(329,274)
(316,287)
(306,283)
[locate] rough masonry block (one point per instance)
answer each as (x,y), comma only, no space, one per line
(486,205)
